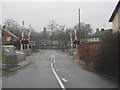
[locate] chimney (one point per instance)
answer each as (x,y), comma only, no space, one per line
(102,29)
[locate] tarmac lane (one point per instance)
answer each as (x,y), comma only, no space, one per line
(55,69)
(36,75)
(75,76)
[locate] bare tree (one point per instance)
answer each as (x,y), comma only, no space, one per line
(85,31)
(13,27)
(52,26)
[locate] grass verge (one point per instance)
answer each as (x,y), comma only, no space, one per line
(3,72)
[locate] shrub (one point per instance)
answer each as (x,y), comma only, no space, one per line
(88,52)
(107,57)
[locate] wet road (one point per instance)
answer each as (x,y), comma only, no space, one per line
(55,69)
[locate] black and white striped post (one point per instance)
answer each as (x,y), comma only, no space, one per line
(22,37)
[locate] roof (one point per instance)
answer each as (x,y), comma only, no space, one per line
(100,33)
(115,11)
(10,33)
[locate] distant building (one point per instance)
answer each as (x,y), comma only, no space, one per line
(98,35)
(8,37)
(115,18)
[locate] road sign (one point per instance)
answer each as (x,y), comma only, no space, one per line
(76,42)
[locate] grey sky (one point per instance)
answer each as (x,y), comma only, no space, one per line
(39,14)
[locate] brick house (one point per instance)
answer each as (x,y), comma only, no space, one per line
(8,37)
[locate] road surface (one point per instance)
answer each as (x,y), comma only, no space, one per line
(55,69)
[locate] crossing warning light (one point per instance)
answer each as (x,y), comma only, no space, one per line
(24,42)
(76,42)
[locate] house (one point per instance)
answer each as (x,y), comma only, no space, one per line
(8,37)
(115,18)
(0,42)
(98,35)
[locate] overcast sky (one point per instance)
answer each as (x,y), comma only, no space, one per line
(39,14)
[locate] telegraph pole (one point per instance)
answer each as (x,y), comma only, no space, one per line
(25,42)
(79,18)
(79,33)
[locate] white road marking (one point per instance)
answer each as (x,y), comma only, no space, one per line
(7,50)
(53,58)
(58,79)
(64,80)
(60,82)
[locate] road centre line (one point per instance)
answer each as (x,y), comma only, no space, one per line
(64,80)
(58,79)
(54,59)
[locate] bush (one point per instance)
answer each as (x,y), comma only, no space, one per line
(91,65)
(88,52)
(107,57)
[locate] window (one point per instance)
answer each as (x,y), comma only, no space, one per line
(96,38)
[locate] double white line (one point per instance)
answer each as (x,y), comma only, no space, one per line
(58,79)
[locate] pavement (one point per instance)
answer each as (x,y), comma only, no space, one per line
(21,65)
(55,69)
(24,63)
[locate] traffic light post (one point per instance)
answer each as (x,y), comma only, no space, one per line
(22,36)
(25,42)
(76,43)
